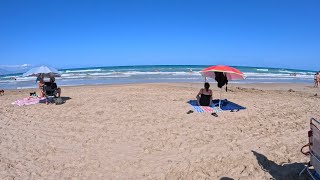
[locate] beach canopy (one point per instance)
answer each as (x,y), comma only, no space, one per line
(230,72)
(43,70)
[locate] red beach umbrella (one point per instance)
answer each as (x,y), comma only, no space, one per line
(230,72)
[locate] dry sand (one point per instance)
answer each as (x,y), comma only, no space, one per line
(142,131)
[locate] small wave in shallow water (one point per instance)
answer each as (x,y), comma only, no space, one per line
(147,74)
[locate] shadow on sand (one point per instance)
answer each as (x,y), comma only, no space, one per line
(226,178)
(286,171)
(64,99)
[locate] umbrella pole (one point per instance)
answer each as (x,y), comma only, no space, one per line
(220,98)
(219,108)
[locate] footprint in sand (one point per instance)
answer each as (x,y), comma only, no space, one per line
(99,112)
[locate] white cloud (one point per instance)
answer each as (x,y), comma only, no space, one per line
(26,65)
(16,66)
(5,69)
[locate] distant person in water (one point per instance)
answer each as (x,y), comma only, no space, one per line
(316,79)
(204,97)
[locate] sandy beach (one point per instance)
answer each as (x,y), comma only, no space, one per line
(142,131)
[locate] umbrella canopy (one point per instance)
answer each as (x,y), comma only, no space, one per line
(45,70)
(230,72)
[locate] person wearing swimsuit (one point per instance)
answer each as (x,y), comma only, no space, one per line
(41,84)
(204,97)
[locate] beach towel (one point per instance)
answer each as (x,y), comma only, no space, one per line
(28,101)
(201,109)
(225,106)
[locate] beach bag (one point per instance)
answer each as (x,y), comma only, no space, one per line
(222,79)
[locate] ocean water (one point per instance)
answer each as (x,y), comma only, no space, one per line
(150,74)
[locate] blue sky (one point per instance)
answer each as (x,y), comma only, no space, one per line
(75,33)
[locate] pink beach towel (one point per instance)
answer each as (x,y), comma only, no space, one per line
(202,109)
(28,101)
(209,109)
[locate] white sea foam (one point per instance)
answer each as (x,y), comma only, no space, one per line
(174,78)
(101,74)
(269,78)
(68,75)
(6,81)
(74,77)
(27,87)
(277,75)
(94,75)
(286,71)
(82,71)
(146,73)
(263,70)
(161,73)
(116,76)
(23,79)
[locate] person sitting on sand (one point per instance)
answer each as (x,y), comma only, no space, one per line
(41,84)
(204,97)
(53,85)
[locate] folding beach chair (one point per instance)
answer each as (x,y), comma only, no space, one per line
(314,150)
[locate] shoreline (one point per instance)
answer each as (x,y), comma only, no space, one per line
(262,86)
(249,84)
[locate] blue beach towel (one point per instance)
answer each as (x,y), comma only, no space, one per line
(228,105)
(225,106)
